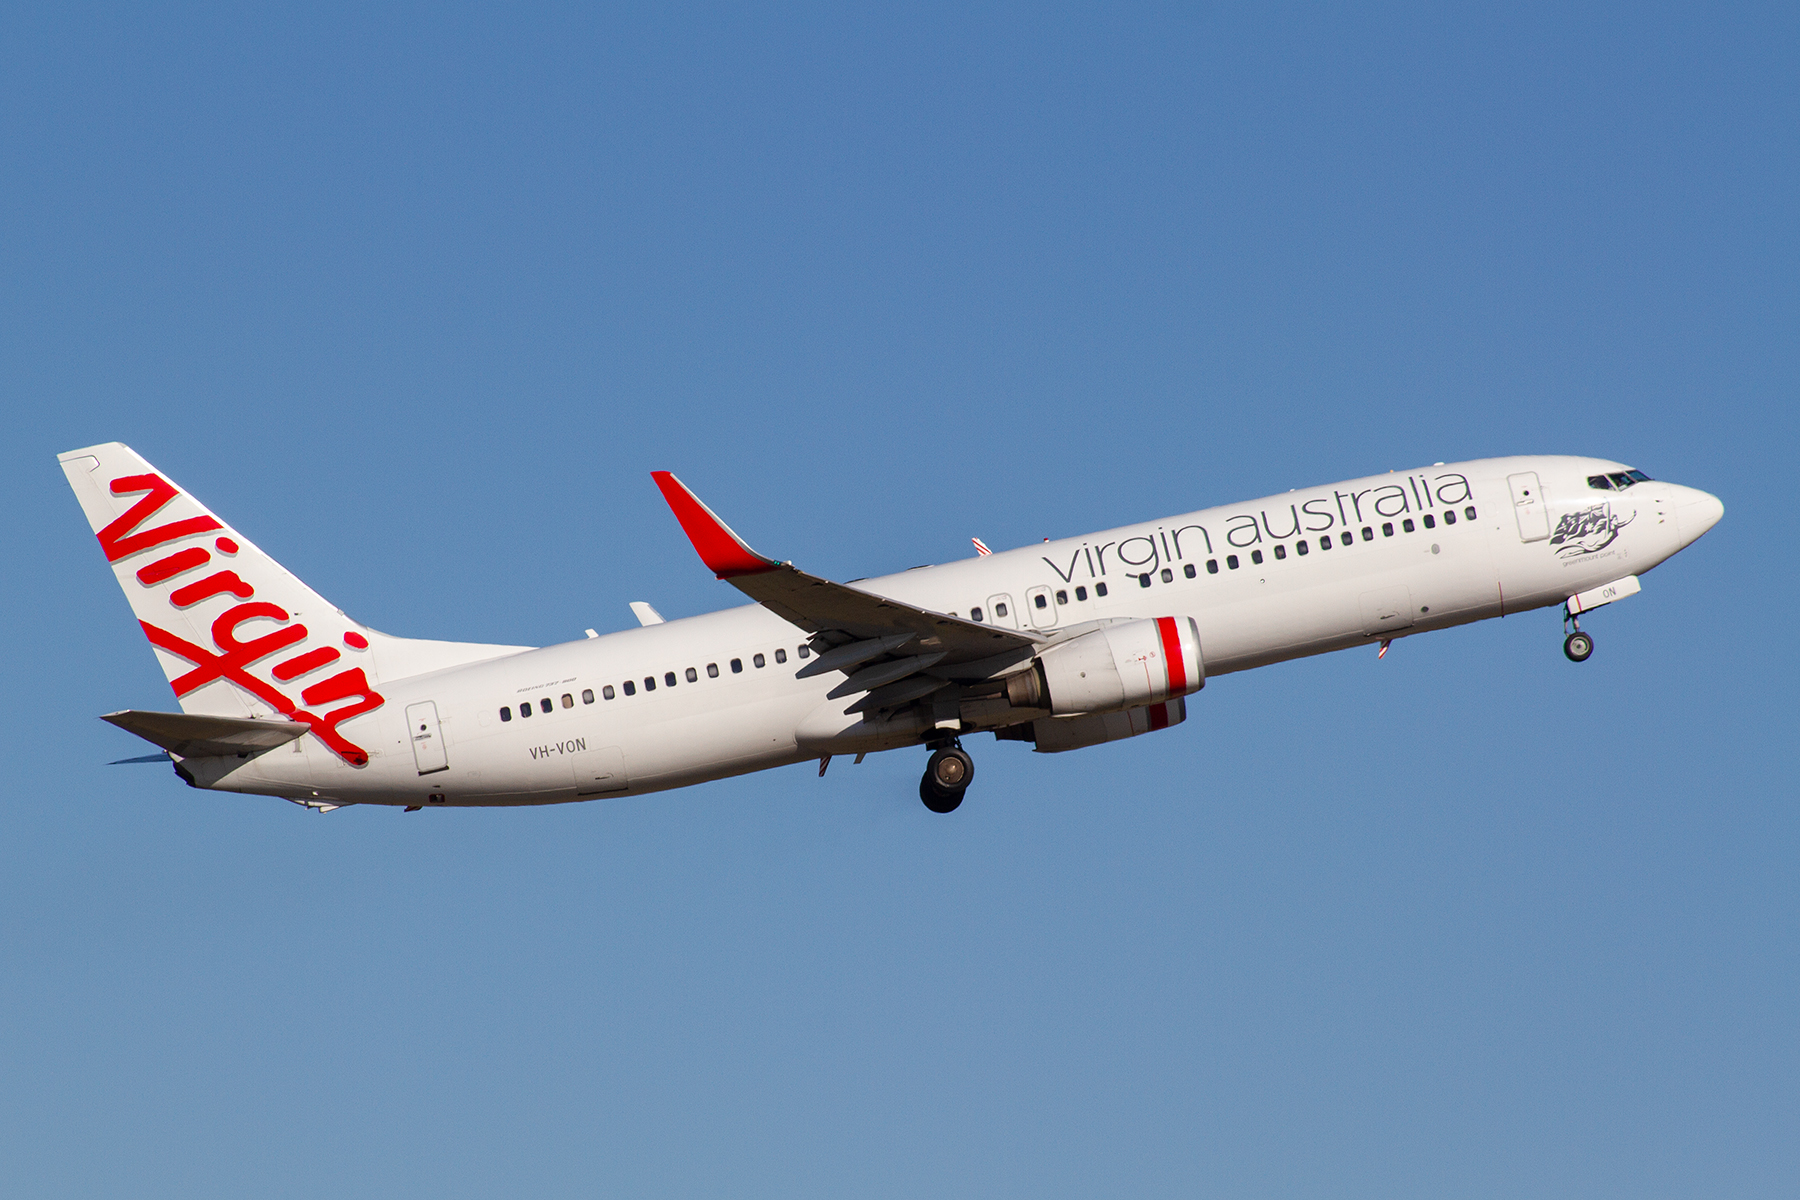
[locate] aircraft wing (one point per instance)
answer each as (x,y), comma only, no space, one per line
(836,612)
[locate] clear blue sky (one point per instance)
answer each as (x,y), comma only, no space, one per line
(417,296)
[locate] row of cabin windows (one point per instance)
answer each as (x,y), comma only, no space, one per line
(669,680)
(1301,548)
(1304,547)
(1042,601)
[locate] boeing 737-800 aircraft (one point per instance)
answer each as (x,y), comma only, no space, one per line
(1064,645)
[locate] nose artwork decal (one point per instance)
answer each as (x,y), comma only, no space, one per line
(1588,531)
(235,657)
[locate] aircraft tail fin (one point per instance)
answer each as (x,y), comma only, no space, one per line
(236,633)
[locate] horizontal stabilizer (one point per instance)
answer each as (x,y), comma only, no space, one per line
(190,735)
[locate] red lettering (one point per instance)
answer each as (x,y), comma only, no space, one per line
(230,667)
(340,687)
(209,666)
(312,660)
(175,564)
(118,540)
(213,585)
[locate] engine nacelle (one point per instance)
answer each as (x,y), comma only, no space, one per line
(1123,666)
(1056,734)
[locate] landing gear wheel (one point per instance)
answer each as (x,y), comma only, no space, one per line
(947,777)
(1577,646)
(936,801)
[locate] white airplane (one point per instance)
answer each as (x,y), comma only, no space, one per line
(1065,644)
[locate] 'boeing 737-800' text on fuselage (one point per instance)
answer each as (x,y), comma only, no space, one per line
(1065,644)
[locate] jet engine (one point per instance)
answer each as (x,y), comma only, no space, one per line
(1051,735)
(1128,665)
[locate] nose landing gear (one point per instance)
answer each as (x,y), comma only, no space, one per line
(1578,645)
(947,777)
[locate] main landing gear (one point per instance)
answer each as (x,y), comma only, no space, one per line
(947,776)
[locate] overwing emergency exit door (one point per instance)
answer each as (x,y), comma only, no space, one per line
(1529,506)
(427,739)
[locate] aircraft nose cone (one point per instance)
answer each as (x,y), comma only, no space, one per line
(1696,512)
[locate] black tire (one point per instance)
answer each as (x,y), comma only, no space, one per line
(950,770)
(1577,646)
(936,801)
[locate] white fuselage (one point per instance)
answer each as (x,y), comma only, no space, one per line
(1385,574)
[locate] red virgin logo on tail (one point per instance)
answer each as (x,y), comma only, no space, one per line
(233,658)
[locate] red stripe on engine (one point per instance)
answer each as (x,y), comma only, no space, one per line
(1171,644)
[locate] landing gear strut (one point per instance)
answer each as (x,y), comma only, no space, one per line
(947,777)
(1578,645)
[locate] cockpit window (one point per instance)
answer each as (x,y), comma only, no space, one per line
(1619,480)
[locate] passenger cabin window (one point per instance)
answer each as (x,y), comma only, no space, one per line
(712,670)
(1368,534)
(668,679)
(1387,529)
(544,705)
(1189,571)
(1449,516)
(1280,551)
(781,656)
(999,610)
(1469,512)
(630,688)
(506,712)
(1302,547)
(1256,557)
(693,676)
(649,683)
(587,695)
(1062,597)
(1168,576)
(1212,566)
(1100,589)
(1081,593)
(757,659)
(1429,522)
(1144,579)
(606,693)
(1325,543)
(1346,538)
(525,709)
(975,613)
(568,700)
(737,666)
(1407,525)
(805,651)
(1231,561)
(1041,600)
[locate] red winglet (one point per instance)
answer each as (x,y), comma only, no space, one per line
(723,551)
